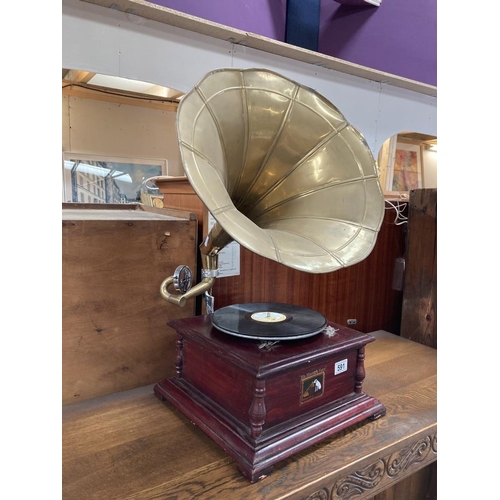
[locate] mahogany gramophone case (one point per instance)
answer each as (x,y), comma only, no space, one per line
(262,402)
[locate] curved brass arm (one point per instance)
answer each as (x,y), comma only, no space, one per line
(209,274)
(180,300)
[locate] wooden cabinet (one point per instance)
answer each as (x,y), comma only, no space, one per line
(180,195)
(114,320)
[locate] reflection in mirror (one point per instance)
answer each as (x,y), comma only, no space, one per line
(117,134)
(116,85)
(97,179)
(407,160)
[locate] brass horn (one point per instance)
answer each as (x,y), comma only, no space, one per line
(282,172)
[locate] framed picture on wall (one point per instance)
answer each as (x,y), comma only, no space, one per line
(105,179)
(404,166)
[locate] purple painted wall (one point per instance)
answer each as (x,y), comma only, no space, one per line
(263,17)
(399,37)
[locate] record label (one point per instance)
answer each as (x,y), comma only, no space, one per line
(268,317)
(269,321)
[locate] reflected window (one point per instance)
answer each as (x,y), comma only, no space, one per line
(98,179)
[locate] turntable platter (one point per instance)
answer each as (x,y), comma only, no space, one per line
(269,321)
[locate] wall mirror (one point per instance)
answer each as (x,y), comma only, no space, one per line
(407,160)
(117,134)
(102,179)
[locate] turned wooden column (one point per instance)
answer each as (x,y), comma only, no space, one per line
(179,360)
(360,370)
(257,411)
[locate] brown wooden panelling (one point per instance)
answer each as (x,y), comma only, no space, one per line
(114,332)
(363,292)
(419,310)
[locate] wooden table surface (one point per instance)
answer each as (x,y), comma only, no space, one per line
(130,445)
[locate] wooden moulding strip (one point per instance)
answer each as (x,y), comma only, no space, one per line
(109,95)
(195,24)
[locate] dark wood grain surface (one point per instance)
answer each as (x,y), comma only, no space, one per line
(130,445)
(419,309)
(114,258)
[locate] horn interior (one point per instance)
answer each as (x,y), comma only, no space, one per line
(280,169)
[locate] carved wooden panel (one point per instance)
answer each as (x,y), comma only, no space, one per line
(382,473)
(421,485)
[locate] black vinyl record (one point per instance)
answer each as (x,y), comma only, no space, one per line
(269,321)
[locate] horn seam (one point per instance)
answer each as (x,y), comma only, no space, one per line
(276,250)
(335,257)
(308,255)
(312,152)
(225,208)
(358,225)
(238,239)
(212,114)
(202,156)
(315,217)
(309,192)
(330,136)
(246,121)
(360,168)
(275,140)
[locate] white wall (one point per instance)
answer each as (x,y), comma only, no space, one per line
(108,41)
(112,129)
(429,171)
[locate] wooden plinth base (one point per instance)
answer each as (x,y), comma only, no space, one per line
(255,458)
(262,406)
